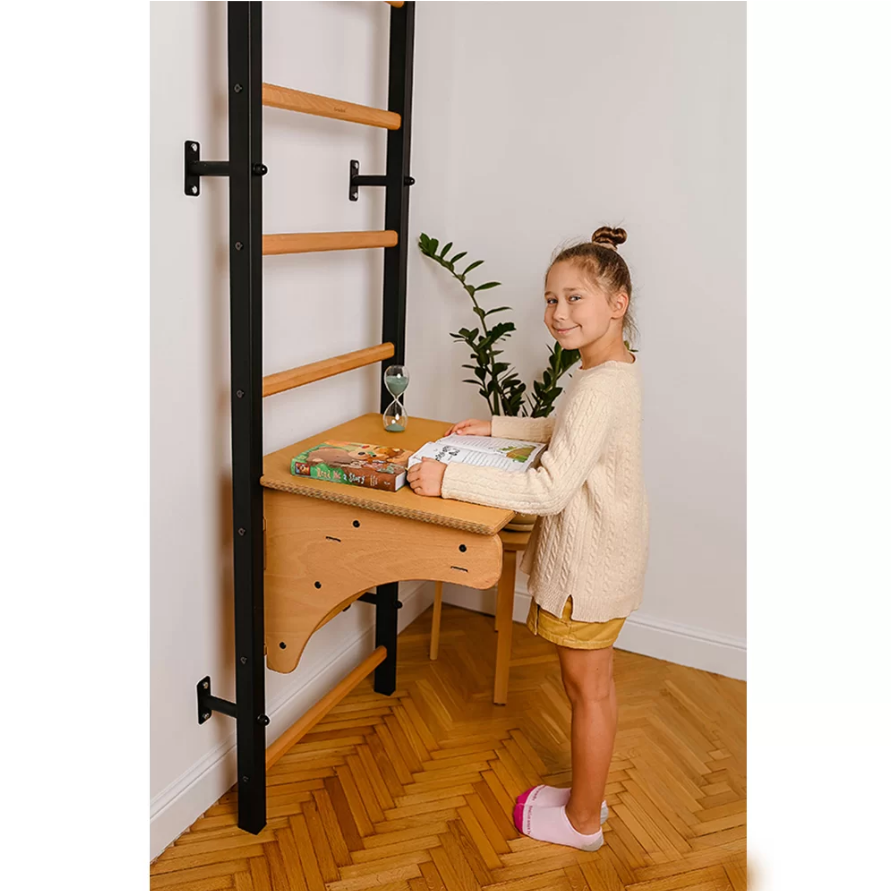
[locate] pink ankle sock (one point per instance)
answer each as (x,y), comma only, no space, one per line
(552,796)
(550,824)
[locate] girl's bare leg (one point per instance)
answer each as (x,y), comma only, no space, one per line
(588,681)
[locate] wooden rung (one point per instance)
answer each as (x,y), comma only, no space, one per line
(310,103)
(323,706)
(305,242)
(316,371)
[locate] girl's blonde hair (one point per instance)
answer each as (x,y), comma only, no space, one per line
(600,261)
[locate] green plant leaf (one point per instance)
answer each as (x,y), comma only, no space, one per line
(434,244)
(457,257)
(445,250)
(501,329)
(473,266)
(487,285)
(500,308)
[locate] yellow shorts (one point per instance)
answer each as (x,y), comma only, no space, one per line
(573,634)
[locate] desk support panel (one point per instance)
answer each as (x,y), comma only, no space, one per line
(322,555)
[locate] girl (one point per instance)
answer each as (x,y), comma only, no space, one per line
(588,550)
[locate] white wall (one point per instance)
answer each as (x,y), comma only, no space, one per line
(533,123)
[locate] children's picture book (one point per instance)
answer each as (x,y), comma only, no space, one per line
(354,463)
(484,451)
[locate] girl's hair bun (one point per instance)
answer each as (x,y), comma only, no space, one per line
(609,237)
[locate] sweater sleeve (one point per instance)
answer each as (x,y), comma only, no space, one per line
(530,429)
(568,461)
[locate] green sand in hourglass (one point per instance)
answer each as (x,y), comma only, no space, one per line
(396,381)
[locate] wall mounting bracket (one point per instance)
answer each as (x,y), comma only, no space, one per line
(356,180)
(195,168)
(208,704)
(371,597)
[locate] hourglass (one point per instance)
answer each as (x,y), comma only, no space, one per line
(396,381)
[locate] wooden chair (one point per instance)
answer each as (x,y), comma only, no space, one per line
(511,542)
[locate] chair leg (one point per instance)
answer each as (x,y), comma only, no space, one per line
(437,616)
(504,616)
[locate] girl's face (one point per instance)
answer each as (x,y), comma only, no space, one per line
(577,312)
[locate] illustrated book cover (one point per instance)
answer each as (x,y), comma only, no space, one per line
(354,463)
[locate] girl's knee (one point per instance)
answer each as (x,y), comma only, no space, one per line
(588,675)
(592,690)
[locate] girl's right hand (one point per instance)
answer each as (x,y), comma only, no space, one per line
(470,427)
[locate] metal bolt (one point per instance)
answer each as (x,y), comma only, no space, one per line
(283,645)
(244,660)
(194,146)
(239,393)
(237,88)
(241,530)
(206,716)
(262,719)
(206,685)
(245,779)
(194,190)
(318,584)
(462,547)
(238,245)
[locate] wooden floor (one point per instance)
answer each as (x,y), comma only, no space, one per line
(414,792)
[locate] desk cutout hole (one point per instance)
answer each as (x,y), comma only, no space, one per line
(356,523)
(462,548)
(331,538)
(283,645)
(318,584)
(459,568)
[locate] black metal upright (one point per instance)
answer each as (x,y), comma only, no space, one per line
(402,41)
(246,327)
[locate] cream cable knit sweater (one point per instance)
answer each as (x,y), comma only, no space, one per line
(591,540)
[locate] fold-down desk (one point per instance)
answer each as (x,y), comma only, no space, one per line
(326,547)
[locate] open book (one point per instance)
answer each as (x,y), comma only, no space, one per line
(484,451)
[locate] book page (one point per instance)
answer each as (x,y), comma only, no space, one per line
(491,444)
(514,455)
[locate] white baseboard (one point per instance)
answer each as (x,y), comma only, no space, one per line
(643,634)
(175,809)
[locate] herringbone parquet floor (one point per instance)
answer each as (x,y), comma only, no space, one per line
(414,792)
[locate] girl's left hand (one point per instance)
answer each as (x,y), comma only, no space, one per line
(426,478)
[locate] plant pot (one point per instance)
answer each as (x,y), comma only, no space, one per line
(521,523)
